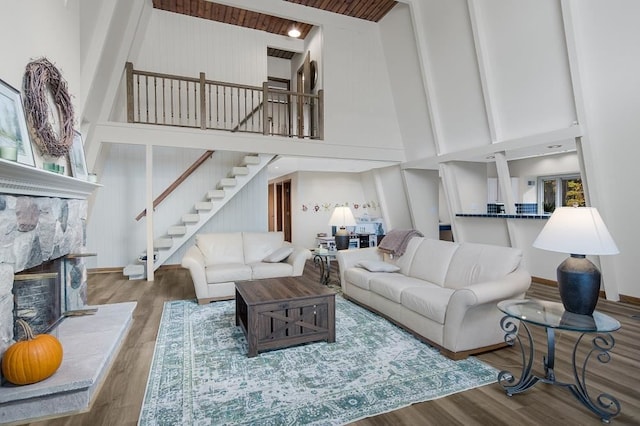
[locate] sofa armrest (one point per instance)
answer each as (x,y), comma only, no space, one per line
(297,259)
(510,286)
(348,259)
(193,260)
(483,295)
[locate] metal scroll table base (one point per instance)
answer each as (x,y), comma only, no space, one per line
(604,405)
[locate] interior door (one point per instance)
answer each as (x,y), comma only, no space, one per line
(286,209)
(271,220)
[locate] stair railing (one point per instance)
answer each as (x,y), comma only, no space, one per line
(204,157)
(171,100)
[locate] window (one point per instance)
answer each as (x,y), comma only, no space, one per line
(565,190)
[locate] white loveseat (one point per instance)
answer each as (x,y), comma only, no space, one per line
(218,260)
(443,292)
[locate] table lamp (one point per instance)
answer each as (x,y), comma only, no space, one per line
(578,231)
(341,218)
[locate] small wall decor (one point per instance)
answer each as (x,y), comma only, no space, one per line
(77,158)
(41,81)
(15,144)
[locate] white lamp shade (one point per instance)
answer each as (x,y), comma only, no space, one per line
(342,216)
(576,230)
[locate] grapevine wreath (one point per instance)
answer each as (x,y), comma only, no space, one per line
(40,79)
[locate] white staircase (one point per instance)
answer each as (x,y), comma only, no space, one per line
(191,222)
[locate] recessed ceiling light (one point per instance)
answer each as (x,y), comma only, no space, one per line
(553,146)
(294,32)
(490,157)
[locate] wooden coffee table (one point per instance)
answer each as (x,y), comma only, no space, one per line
(282,312)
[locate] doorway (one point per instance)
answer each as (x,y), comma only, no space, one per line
(280,208)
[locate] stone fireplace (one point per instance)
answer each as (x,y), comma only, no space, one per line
(42,226)
(33,232)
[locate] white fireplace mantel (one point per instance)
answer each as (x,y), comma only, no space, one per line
(21,179)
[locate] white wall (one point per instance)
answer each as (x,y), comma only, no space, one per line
(178,44)
(423,189)
(279,67)
(320,192)
(393,199)
(409,96)
(455,93)
(526,66)
(112,230)
(28,30)
(359,108)
(607,38)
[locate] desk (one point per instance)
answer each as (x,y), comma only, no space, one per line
(552,316)
(324,261)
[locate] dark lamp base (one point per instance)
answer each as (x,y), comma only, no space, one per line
(579,284)
(342,239)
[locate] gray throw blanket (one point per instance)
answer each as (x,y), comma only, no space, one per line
(395,242)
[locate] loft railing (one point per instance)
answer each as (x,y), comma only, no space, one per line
(171,100)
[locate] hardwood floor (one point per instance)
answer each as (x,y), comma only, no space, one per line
(120,398)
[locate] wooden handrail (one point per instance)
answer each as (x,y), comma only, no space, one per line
(244,120)
(204,157)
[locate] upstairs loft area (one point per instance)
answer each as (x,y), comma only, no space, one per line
(196,102)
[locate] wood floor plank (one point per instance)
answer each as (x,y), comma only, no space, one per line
(120,398)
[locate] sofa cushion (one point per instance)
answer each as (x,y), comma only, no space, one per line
(404,261)
(221,248)
(429,300)
(432,259)
(359,277)
(473,263)
(391,286)
(377,266)
(258,245)
(228,272)
(270,270)
(279,255)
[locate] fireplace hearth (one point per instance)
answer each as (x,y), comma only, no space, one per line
(42,219)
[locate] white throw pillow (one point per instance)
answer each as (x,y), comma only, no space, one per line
(279,255)
(377,266)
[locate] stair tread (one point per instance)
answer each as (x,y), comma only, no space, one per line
(177,230)
(163,243)
(239,171)
(216,193)
(251,159)
(133,270)
(204,205)
(191,218)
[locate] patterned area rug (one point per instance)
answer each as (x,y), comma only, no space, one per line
(200,373)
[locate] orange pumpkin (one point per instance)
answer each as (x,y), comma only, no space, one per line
(31,360)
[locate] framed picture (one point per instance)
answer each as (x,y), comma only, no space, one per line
(15,143)
(77,159)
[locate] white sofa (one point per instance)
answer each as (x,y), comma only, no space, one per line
(218,260)
(443,292)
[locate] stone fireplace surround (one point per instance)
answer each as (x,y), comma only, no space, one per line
(42,218)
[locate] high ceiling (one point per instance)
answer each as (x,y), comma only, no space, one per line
(370,10)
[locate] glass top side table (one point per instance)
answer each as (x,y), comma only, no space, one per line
(323,259)
(552,316)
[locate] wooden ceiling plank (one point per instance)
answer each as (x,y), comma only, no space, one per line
(371,10)
(382,9)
